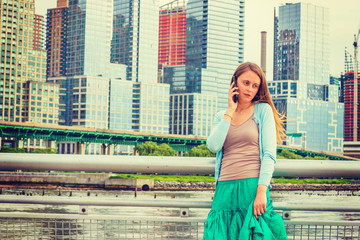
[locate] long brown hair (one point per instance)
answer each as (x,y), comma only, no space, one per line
(263,96)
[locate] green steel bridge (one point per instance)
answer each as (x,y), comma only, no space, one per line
(58,133)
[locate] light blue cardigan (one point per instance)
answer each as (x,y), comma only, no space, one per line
(264,118)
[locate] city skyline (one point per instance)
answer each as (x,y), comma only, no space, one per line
(214,48)
(344,23)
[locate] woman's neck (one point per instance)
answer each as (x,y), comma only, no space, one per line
(243,106)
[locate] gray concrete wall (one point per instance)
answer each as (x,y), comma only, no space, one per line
(77,179)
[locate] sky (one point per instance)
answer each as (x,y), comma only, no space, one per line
(259,16)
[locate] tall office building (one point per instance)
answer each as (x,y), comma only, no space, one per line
(24,94)
(351,142)
(301,88)
(39,32)
(135,44)
(79,35)
(214,45)
(135,38)
(56,36)
(302,43)
(172,34)
(214,49)
(348,80)
(89,35)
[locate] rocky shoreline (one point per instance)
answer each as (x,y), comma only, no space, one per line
(189,186)
(210,186)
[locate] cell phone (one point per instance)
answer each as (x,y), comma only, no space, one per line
(235,97)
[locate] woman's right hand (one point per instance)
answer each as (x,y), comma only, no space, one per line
(232,92)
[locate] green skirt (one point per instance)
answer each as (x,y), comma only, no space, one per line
(231,215)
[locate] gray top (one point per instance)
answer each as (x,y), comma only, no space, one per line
(241,152)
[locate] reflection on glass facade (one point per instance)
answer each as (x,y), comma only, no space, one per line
(192,113)
(135,38)
(301,43)
(150,108)
(120,104)
(89,39)
(90,102)
(65,98)
(314,111)
(175,76)
(95,102)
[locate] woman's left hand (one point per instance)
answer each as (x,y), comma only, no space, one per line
(260,201)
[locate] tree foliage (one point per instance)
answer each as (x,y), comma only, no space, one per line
(152,149)
(317,158)
(12,150)
(286,154)
(45,150)
(199,151)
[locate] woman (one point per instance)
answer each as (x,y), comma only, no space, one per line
(245,138)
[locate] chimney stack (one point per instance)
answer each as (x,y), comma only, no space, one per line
(263,51)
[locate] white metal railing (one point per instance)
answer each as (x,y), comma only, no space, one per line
(18,225)
(159,203)
(155,164)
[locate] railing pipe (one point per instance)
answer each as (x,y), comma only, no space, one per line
(160,203)
(167,165)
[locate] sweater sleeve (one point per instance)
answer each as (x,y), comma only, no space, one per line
(268,142)
(218,134)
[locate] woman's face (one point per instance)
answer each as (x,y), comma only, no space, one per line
(248,84)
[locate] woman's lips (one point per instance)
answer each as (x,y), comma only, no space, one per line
(247,95)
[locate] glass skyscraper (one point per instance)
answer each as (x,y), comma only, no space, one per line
(135,38)
(312,110)
(191,113)
(302,43)
(301,89)
(120,111)
(172,34)
(214,45)
(89,39)
(214,49)
(151,107)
